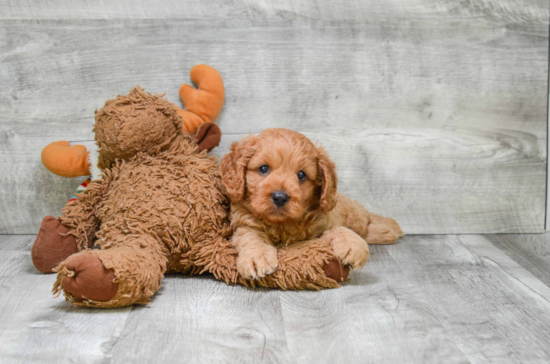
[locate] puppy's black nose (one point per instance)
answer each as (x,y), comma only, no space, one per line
(279,198)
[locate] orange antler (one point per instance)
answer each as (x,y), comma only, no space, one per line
(65,160)
(204,104)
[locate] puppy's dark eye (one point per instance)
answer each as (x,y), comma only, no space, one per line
(302,176)
(264,169)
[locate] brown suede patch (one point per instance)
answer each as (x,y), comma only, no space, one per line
(208,136)
(88,279)
(52,245)
(336,270)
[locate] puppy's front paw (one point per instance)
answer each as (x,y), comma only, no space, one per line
(352,249)
(257,262)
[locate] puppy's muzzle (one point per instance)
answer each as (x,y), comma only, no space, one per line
(280,198)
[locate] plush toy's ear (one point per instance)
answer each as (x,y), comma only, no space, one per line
(233,167)
(327,178)
(208,136)
(65,160)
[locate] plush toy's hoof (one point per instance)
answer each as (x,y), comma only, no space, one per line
(334,269)
(52,245)
(91,280)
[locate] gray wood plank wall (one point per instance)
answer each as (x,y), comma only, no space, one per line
(434,110)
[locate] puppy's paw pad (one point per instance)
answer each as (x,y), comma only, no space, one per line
(258,263)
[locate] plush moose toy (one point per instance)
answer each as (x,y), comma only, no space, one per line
(156,204)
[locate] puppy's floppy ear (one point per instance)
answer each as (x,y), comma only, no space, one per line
(233,167)
(327,178)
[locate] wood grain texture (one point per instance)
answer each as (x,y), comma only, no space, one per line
(35,327)
(203,320)
(532,252)
(515,11)
(492,308)
(435,111)
(442,298)
(462,295)
(378,317)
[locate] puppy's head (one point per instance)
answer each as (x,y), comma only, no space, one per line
(279,175)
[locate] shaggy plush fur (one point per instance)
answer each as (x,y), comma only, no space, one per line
(138,122)
(152,214)
(273,162)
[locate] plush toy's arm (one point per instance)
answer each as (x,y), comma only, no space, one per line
(79,214)
(59,238)
(202,105)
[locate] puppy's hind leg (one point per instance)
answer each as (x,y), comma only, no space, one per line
(373,228)
(391,223)
(383,230)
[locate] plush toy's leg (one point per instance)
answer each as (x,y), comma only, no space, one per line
(307,265)
(218,257)
(127,272)
(85,277)
(73,231)
(52,245)
(336,270)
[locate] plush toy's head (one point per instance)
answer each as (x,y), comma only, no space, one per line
(141,122)
(137,122)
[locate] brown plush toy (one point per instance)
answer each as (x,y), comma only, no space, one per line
(159,206)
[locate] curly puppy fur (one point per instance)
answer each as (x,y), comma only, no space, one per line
(312,208)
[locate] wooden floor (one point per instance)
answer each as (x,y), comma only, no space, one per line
(429,298)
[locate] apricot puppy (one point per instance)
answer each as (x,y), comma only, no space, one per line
(283,190)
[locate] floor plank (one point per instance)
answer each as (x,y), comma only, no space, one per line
(443,298)
(378,317)
(341,10)
(201,320)
(531,251)
(35,327)
(494,310)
